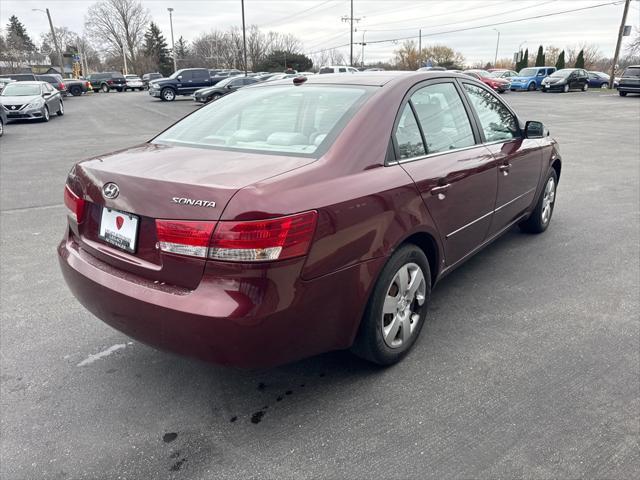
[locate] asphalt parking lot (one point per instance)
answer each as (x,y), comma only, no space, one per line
(528,366)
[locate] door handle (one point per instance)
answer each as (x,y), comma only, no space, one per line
(504,168)
(440,191)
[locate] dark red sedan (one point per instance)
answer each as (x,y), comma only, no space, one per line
(498,84)
(297,217)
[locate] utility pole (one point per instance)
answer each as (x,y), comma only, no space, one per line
(244,41)
(363,44)
(497,44)
(173,45)
(620,32)
(124,57)
(55,39)
(420,42)
(350,20)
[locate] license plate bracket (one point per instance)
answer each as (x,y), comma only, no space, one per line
(119,229)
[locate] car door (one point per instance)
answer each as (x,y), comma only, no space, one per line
(456,176)
(185,82)
(200,79)
(51,98)
(519,159)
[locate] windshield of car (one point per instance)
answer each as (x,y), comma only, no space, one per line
(528,72)
(565,72)
(496,74)
(20,90)
(632,72)
(284,119)
(175,74)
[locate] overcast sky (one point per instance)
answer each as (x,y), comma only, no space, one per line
(318,23)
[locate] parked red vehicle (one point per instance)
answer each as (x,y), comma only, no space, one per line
(300,217)
(498,84)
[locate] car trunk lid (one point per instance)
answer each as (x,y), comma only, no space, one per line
(165,182)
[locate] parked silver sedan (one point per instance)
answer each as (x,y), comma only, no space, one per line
(31,101)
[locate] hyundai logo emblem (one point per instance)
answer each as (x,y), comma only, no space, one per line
(110,190)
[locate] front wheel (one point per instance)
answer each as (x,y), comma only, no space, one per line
(566,88)
(76,91)
(397,308)
(541,215)
(622,94)
(60,111)
(585,87)
(168,95)
(604,86)
(105,88)
(531,87)
(1,127)
(45,114)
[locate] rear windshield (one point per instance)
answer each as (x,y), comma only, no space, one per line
(632,72)
(287,119)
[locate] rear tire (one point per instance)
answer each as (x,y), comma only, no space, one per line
(397,308)
(1,127)
(566,88)
(585,87)
(76,91)
(540,218)
(604,86)
(215,97)
(622,94)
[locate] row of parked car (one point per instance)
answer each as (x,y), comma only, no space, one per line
(547,79)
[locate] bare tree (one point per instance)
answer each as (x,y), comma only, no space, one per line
(119,26)
(590,52)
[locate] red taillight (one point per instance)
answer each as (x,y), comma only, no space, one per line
(74,203)
(273,239)
(253,241)
(61,86)
(109,82)
(184,237)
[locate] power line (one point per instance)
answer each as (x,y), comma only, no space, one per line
(464,21)
(480,26)
(293,15)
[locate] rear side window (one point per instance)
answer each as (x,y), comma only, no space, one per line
(443,118)
(408,136)
(497,122)
(200,75)
(326,70)
(282,119)
(632,72)
(342,70)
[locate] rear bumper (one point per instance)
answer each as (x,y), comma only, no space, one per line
(239,316)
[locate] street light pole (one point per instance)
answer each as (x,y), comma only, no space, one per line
(497,44)
(244,41)
(173,45)
(363,44)
(55,39)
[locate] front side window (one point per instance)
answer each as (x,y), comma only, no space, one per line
(282,119)
(443,118)
(497,122)
(408,136)
(342,70)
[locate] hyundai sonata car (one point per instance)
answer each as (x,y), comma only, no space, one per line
(304,215)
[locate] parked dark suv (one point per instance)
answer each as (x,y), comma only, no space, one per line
(56,81)
(182,82)
(630,81)
(565,80)
(104,82)
(148,77)
(21,77)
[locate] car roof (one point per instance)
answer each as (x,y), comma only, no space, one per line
(31,82)
(374,79)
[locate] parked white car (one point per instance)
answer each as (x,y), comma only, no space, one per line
(134,82)
(338,69)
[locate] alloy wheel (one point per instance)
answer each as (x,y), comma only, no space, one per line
(1,127)
(548,198)
(566,89)
(168,95)
(45,114)
(403,302)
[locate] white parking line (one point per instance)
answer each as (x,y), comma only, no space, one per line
(105,353)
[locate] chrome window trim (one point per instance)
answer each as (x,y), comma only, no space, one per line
(437,154)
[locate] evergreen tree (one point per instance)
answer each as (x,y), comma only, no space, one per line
(155,48)
(525,60)
(17,37)
(540,57)
(560,61)
(182,48)
(580,60)
(274,62)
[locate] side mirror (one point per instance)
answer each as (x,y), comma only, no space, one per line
(46,94)
(179,77)
(533,129)
(229,87)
